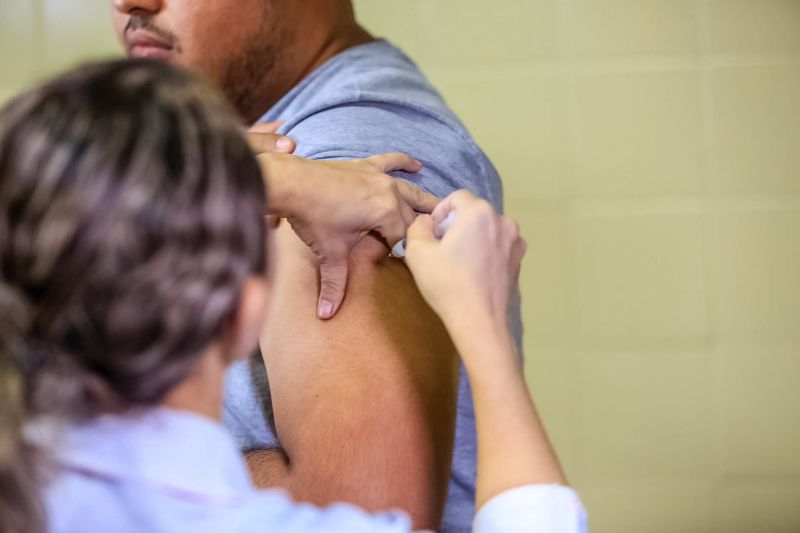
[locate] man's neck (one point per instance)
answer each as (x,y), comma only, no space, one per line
(330,45)
(354,36)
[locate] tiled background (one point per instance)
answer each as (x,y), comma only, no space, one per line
(651,150)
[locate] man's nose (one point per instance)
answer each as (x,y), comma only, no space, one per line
(130,7)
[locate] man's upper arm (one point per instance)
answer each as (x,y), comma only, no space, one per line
(365,403)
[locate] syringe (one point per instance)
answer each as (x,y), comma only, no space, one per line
(399,249)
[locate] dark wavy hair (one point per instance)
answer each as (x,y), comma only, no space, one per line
(131,214)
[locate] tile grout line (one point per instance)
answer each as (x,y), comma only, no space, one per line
(566,121)
(711,251)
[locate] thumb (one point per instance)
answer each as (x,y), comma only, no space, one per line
(395,161)
(270,143)
(267,127)
(332,282)
(421,230)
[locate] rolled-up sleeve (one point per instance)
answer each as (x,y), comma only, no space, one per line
(533,509)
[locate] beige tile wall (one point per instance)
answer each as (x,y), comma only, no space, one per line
(651,151)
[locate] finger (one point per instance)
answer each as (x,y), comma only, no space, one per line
(458,199)
(394,222)
(470,207)
(393,230)
(421,230)
(333,283)
(395,161)
(517,254)
(510,229)
(520,249)
(269,143)
(450,202)
(419,200)
(267,127)
(273,221)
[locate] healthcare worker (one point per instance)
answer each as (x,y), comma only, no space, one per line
(135,267)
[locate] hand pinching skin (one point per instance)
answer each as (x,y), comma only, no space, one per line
(399,249)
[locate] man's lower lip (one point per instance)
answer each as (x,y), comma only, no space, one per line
(154,52)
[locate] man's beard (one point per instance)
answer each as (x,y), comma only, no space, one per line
(243,78)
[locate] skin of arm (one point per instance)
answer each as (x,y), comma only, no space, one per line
(365,403)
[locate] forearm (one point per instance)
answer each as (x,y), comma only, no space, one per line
(278,170)
(513,448)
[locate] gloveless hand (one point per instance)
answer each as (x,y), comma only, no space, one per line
(466,276)
(332,205)
(264,138)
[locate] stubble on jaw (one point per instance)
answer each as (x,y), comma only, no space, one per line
(245,77)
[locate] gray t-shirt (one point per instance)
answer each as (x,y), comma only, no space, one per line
(369,100)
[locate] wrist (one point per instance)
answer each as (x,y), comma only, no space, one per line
(281,186)
(471,322)
(483,339)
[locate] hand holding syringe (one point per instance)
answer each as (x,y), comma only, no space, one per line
(465,258)
(468,278)
(399,249)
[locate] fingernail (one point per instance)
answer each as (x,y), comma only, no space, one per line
(419,162)
(325,309)
(285,144)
